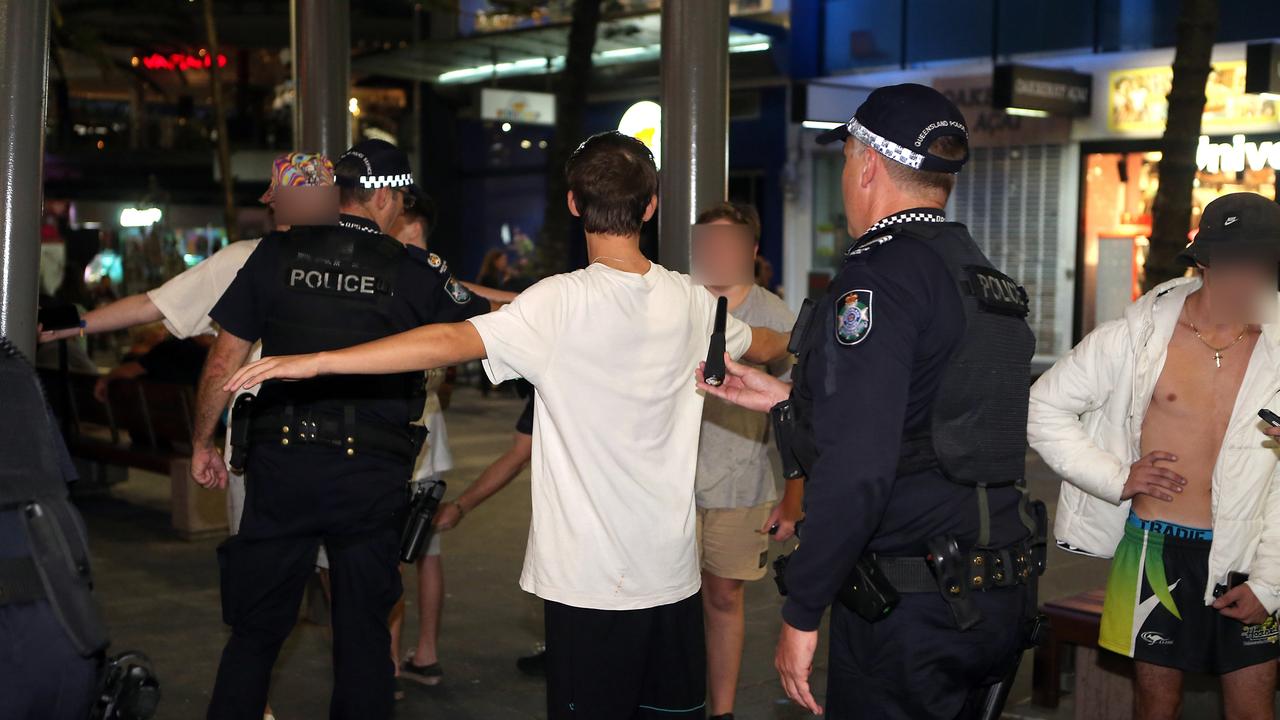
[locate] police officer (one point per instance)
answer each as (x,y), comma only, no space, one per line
(53,633)
(908,417)
(328,460)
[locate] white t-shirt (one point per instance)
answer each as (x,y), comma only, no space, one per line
(185,301)
(615,443)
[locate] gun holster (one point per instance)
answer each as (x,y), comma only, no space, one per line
(949,566)
(241,417)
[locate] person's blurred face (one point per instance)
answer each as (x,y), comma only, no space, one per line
(724,254)
(1241,291)
(305,206)
(500,263)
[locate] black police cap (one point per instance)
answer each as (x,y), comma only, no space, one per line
(385,166)
(1239,226)
(900,121)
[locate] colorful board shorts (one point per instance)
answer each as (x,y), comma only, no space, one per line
(1155,613)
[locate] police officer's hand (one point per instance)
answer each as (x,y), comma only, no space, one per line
(1272,432)
(207,467)
(794,661)
(1239,603)
(1147,478)
(746,386)
(276,367)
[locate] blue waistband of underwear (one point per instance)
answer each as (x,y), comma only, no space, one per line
(1171,529)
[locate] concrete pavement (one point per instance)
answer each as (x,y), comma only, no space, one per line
(160,594)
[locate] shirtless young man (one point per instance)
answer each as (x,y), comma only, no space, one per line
(1152,422)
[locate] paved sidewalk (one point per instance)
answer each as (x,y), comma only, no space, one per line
(160,594)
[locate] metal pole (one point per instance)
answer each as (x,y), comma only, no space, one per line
(24,78)
(695,120)
(321,75)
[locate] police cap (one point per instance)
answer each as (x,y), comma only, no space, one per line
(385,166)
(900,121)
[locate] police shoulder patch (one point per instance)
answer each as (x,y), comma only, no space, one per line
(853,317)
(457,291)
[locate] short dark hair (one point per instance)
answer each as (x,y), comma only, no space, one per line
(346,175)
(422,210)
(736,213)
(950,147)
(612,177)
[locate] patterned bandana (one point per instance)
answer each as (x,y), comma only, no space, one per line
(298,169)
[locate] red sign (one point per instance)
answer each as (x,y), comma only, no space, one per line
(180,61)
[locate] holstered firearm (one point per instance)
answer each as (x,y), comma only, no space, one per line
(241,417)
(420,523)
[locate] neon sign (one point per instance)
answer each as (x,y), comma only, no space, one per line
(1236,155)
(179,61)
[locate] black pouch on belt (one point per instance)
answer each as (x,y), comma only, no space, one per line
(868,592)
(241,416)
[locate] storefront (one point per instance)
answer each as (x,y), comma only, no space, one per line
(1119,178)
(1009,195)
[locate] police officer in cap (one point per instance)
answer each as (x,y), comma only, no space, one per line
(328,460)
(908,417)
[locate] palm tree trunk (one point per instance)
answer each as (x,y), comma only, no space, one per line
(220,126)
(1171,211)
(571,105)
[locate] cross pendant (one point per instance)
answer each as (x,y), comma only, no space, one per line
(1217,359)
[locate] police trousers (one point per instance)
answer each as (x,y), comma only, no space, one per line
(294,502)
(42,677)
(915,664)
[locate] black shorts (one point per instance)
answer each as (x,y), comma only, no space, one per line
(1154,610)
(524,425)
(626,664)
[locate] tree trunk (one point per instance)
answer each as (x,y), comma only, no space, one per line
(571,103)
(1171,211)
(220,126)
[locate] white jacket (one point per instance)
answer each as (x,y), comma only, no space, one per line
(1086,420)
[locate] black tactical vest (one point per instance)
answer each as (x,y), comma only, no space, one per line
(978,430)
(33,492)
(338,288)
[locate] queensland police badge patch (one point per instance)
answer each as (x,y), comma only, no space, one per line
(460,294)
(853,317)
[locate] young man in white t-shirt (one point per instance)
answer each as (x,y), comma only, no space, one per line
(612,351)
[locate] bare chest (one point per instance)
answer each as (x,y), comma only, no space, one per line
(1198,384)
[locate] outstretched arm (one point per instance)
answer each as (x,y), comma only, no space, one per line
(424,348)
(766,346)
(123,313)
(494,296)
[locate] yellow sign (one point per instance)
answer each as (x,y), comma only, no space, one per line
(1139,100)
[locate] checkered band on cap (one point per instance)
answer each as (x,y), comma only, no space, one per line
(387,181)
(884,146)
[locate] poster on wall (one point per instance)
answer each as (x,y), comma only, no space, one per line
(1139,100)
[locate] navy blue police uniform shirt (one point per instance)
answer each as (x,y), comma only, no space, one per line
(880,345)
(425,292)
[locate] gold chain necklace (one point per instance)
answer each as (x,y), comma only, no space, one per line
(1217,351)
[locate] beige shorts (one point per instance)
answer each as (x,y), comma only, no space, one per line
(729,542)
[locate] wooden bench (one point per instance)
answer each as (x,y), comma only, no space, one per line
(143,424)
(1074,621)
